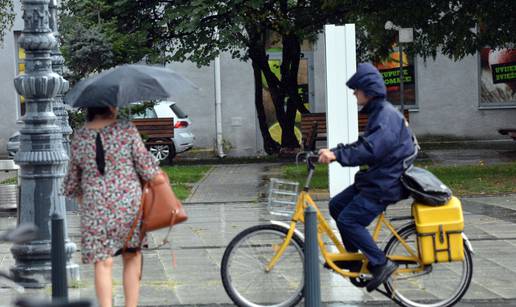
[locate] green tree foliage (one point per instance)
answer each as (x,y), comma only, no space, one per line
(92,39)
(455,28)
(199,30)
(6,17)
(87,50)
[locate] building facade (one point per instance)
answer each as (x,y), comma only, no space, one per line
(9,66)
(449,98)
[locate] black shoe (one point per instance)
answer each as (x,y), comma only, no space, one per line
(352,266)
(380,274)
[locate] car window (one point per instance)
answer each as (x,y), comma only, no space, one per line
(178,111)
(149,113)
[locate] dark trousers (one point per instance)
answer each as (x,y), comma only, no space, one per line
(353,213)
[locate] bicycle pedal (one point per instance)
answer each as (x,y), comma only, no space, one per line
(365,276)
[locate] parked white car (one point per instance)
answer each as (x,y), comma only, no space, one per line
(13,144)
(183,137)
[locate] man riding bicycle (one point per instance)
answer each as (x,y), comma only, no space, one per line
(386,142)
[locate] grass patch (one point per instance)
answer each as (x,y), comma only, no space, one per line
(12,180)
(463,180)
(182,191)
(478,179)
(183,177)
(299,172)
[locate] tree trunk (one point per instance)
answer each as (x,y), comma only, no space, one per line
(289,70)
(270,146)
(258,57)
(288,136)
(284,93)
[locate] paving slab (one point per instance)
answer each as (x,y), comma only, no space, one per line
(230,183)
(187,271)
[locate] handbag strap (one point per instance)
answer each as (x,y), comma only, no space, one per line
(142,231)
(165,239)
(135,222)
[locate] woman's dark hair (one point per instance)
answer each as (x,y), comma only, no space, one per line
(101,111)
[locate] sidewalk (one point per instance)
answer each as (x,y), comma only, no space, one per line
(470,152)
(227,201)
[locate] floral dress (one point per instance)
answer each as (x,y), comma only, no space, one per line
(110,202)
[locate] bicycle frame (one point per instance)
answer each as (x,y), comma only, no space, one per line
(323,228)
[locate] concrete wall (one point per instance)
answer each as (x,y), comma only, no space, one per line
(240,130)
(447,94)
(448,99)
(9,107)
(319,75)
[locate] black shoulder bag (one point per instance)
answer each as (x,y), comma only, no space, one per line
(422,185)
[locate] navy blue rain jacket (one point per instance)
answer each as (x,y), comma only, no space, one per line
(386,142)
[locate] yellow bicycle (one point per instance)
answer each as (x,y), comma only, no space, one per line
(263,265)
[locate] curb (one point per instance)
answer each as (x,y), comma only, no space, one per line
(195,187)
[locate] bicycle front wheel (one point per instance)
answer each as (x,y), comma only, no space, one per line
(438,285)
(244,274)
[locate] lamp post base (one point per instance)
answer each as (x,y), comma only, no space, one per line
(33,268)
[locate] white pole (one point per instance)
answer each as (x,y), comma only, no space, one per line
(218,108)
(341,105)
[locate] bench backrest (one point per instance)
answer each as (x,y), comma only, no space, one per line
(310,121)
(155,128)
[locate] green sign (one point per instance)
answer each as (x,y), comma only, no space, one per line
(392,76)
(504,72)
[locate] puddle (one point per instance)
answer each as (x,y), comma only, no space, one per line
(497,212)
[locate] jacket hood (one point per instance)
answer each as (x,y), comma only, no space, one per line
(368,79)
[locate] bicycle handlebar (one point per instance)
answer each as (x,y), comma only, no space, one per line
(310,157)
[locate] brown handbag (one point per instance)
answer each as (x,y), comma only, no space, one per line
(160,208)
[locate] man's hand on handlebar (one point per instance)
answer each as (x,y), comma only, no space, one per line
(326,156)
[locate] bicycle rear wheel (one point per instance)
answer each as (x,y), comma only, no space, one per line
(243,268)
(439,285)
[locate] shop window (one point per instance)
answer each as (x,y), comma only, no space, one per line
(390,70)
(497,78)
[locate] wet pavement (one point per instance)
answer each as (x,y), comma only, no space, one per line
(187,272)
(469,152)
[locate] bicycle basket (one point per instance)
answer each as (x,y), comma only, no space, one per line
(282,197)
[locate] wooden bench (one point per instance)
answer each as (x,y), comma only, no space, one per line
(510,132)
(313,127)
(157,134)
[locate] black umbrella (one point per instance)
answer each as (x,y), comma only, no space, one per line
(125,84)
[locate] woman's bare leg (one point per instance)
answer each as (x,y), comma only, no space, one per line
(132,271)
(104,282)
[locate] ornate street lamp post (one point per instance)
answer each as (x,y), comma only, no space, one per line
(66,130)
(42,157)
(58,106)
(57,67)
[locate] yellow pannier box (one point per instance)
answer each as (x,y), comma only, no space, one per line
(439,230)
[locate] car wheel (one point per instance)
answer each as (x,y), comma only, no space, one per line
(162,152)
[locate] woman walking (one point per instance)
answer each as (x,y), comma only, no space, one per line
(108,159)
